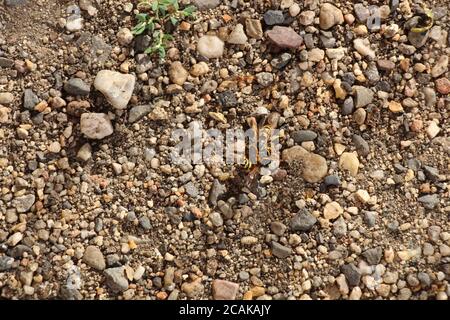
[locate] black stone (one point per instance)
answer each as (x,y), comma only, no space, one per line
(141,43)
(349,78)
(383,86)
(227,99)
(273,17)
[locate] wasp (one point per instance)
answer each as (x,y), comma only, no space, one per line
(260,149)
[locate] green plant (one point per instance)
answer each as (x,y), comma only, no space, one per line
(159,13)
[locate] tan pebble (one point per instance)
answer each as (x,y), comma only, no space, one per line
(41,106)
(258,291)
(248,296)
(332,210)
(349,162)
(362,195)
(395,107)
(409,175)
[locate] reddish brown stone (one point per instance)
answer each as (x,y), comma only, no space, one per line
(443,85)
(386,65)
(284,37)
(224,290)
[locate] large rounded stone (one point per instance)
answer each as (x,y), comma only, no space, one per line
(330,16)
(95,125)
(314,166)
(116,87)
(210,47)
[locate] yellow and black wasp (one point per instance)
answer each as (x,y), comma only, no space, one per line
(260,150)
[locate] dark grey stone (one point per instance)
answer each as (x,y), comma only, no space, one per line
(112,260)
(348,106)
(413,164)
(280,251)
(370,218)
(14,3)
(352,274)
(431,173)
(116,280)
(18,251)
(30,100)
(383,86)
(227,99)
(393,226)
(424,279)
(66,293)
(332,181)
(349,78)
(303,135)
(328,42)
(273,17)
(429,201)
(141,43)
(340,228)
(303,221)
(281,61)
(138,112)
(6,63)
(361,145)
(5,263)
(373,256)
(77,87)
(206,4)
(144,222)
(310,42)
(399,168)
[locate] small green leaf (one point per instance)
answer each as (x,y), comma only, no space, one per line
(188,11)
(173,20)
(139,28)
(142,17)
(162,52)
(163,10)
(155,5)
(167,37)
(151,26)
(156,34)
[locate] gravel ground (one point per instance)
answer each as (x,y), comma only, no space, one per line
(93,207)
